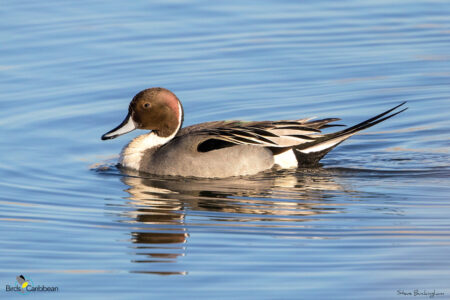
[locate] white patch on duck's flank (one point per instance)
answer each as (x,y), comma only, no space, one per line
(132,154)
(286,159)
(325,145)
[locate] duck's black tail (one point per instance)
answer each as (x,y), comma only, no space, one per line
(309,154)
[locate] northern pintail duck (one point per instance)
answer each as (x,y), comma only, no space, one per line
(222,148)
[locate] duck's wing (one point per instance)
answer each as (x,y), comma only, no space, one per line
(303,135)
(278,134)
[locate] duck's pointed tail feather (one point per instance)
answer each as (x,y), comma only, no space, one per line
(309,154)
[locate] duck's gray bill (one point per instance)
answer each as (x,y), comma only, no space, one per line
(126,126)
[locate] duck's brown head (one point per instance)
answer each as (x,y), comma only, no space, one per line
(155,109)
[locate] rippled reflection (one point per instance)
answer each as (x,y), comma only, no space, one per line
(158,207)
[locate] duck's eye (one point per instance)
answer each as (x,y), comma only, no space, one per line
(146,105)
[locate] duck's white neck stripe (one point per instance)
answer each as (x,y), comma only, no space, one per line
(132,154)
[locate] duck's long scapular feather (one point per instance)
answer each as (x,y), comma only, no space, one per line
(263,133)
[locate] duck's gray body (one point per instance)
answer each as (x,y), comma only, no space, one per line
(180,157)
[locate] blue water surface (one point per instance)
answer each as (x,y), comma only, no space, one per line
(371,223)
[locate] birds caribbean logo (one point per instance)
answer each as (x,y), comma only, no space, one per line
(23,283)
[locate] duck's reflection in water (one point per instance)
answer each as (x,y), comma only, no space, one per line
(159,206)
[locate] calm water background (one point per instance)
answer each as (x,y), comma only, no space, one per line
(374,220)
